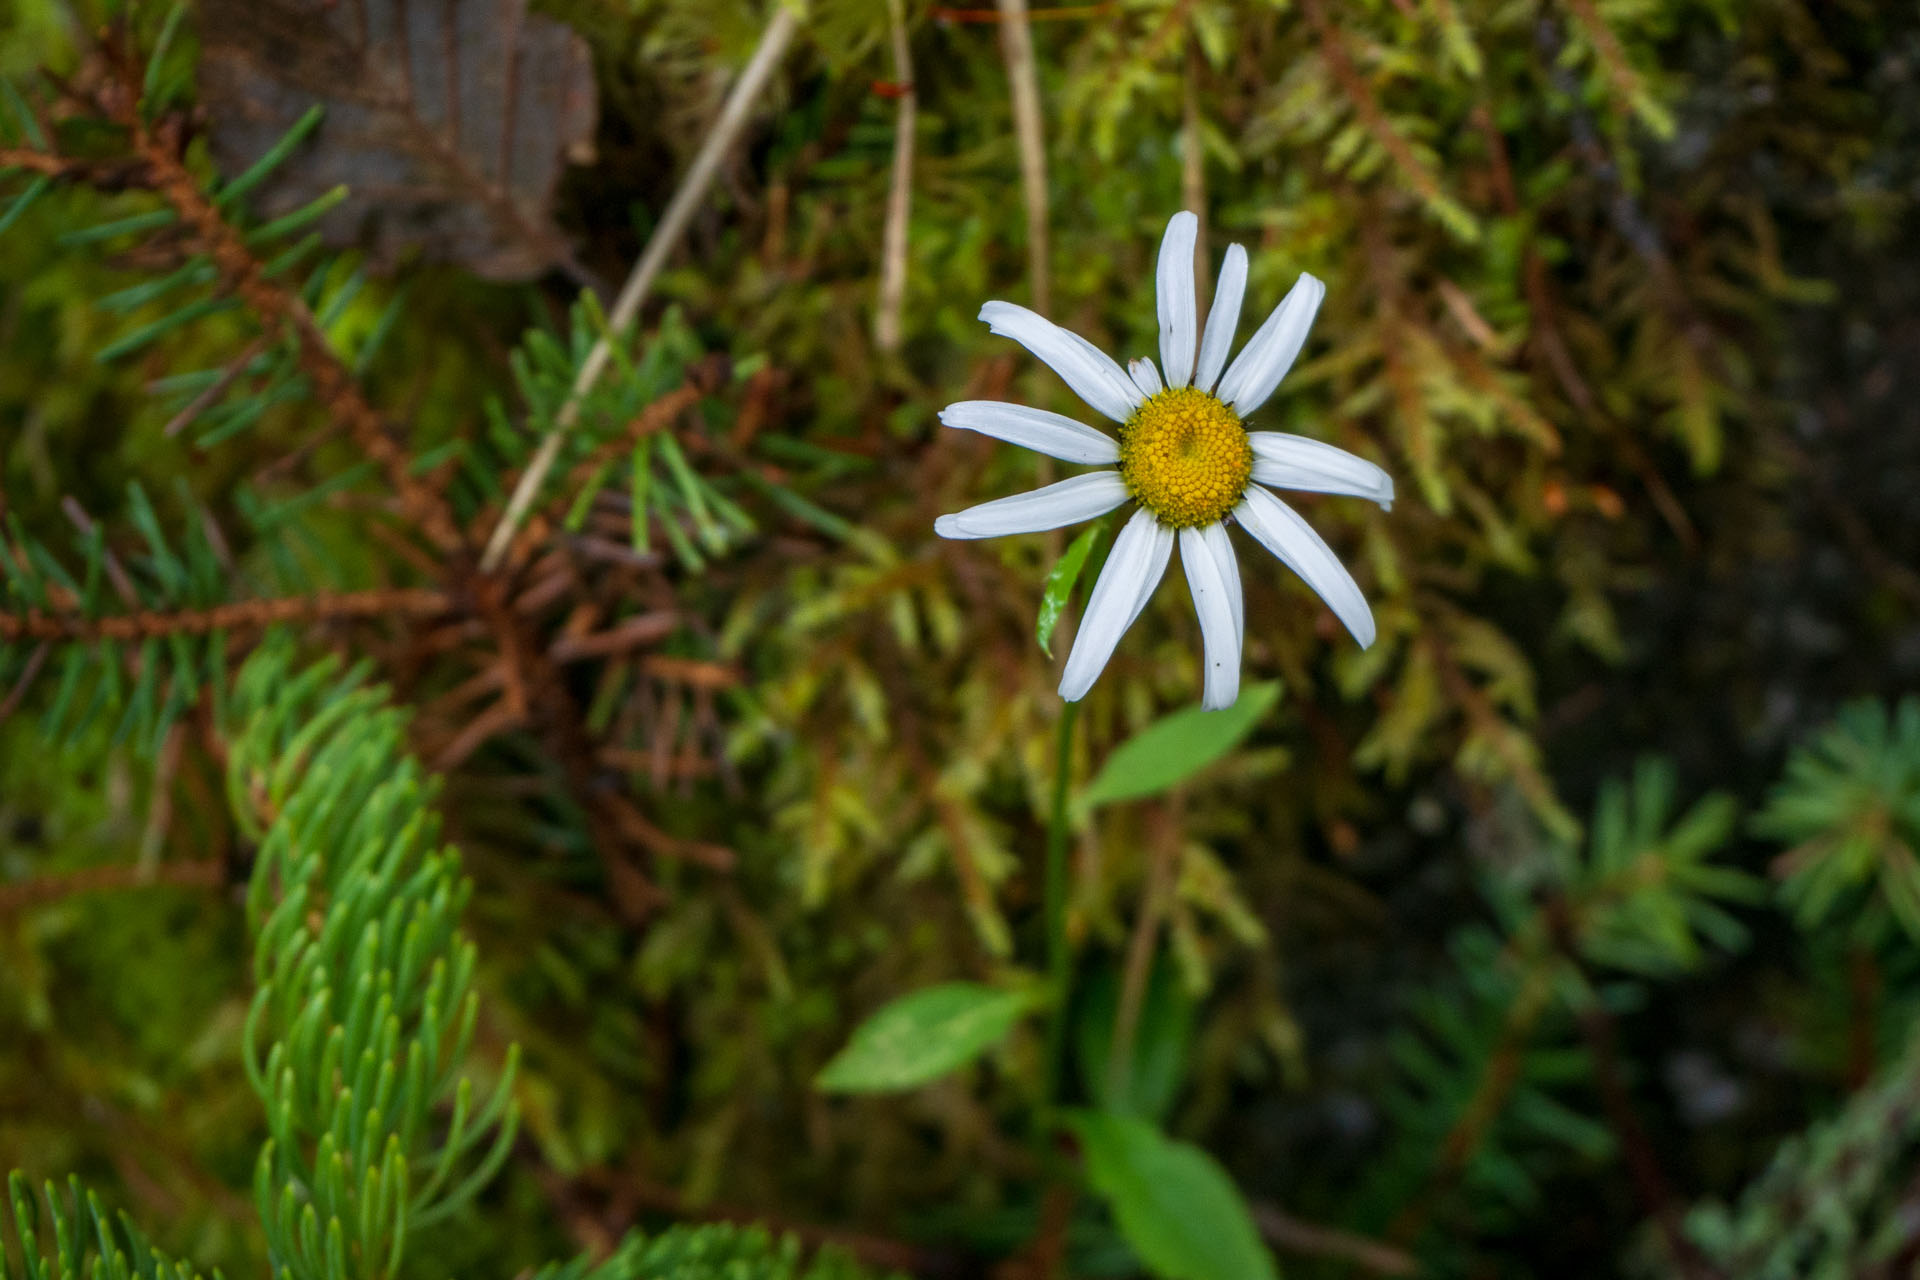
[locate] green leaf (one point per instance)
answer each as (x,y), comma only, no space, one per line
(1066,572)
(1174,748)
(1173,1202)
(923,1036)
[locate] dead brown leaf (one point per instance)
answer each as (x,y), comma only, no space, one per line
(447,120)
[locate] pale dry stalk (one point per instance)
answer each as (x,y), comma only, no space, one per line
(1023,82)
(665,239)
(893,245)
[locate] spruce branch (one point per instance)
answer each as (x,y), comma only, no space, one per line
(280,309)
(205,226)
(51,888)
(241,615)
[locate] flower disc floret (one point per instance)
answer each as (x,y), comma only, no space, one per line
(1185,457)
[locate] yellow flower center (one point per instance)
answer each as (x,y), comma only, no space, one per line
(1184,456)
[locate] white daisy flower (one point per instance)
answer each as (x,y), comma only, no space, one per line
(1183,456)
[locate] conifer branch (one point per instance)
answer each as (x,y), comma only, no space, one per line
(49,888)
(251,615)
(280,309)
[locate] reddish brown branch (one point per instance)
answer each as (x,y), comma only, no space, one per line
(642,629)
(322,606)
(1546,335)
(535,697)
(1620,72)
(691,672)
(1314,1240)
(279,309)
(106,174)
(649,421)
(1489,1099)
(48,888)
(1651,1184)
(157,162)
(1333,48)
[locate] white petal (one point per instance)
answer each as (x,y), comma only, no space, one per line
(1271,351)
(1280,528)
(1220,631)
(1179,307)
(1222,547)
(1091,373)
(1156,567)
(1133,567)
(1145,376)
(1296,462)
(1068,502)
(1053,434)
(1223,319)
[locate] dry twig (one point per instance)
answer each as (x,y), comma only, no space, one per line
(666,238)
(1023,82)
(893,244)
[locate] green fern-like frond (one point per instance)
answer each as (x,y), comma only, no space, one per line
(717,1252)
(1647,897)
(359,1033)
(1831,1202)
(1478,1103)
(87,1243)
(1641,893)
(1849,808)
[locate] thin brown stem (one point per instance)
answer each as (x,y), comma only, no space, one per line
(28,673)
(1489,1100)
(1333,48)
(1163,858)
(1650,1182)
(1297,1235)
(207,398)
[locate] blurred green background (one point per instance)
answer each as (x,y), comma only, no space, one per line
(1625,294)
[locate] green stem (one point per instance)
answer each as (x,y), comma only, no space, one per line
(1059,963)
